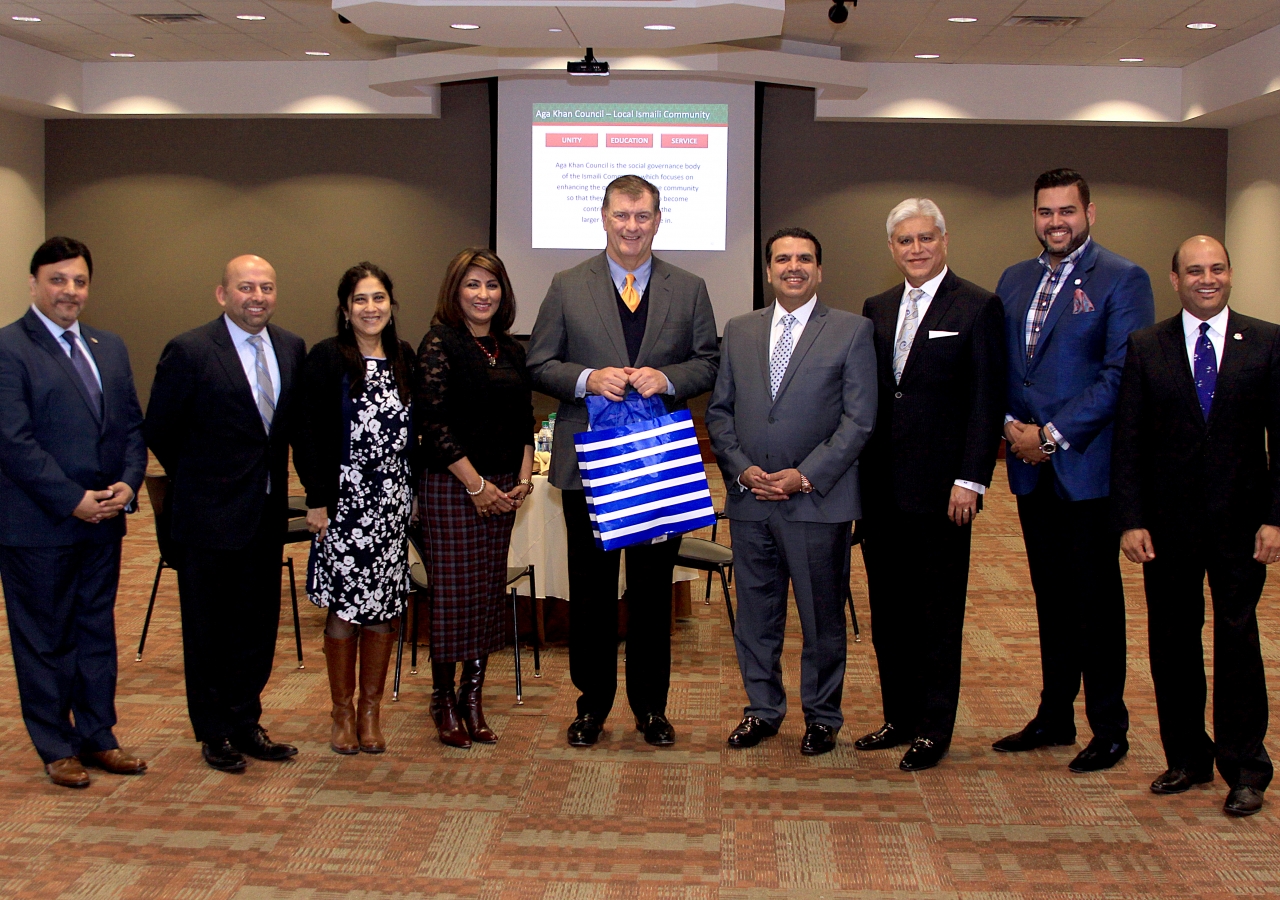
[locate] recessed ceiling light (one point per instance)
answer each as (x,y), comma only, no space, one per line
(555,30)
(927,56)
(251,18)
(962,20)
(1202,26)
(463,26)
(659,28)
(25,18)
(1132,59)
(123,55)
(317,52)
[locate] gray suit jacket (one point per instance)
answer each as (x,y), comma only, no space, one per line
(578,328)
(820,421)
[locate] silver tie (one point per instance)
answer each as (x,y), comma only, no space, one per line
(907,333)
(266,390)
(781,356)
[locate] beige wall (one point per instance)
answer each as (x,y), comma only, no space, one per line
(163,204)
(22,203)
(1153,187)
(1253,217)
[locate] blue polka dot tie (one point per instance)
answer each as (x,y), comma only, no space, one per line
(781,356)
(1205,370)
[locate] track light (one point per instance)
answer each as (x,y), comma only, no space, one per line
(588,65)
(838,13)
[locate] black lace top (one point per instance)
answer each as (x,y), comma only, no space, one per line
(470,408)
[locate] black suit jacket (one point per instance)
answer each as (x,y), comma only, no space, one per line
(1179,476)
(943,421)
(204,427)
(53,445)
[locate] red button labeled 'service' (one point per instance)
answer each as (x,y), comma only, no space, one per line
(684,140)
(573,140)
(628,140)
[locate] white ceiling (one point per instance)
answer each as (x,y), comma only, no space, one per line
(877,30)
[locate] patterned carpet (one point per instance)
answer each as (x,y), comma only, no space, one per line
(533,818)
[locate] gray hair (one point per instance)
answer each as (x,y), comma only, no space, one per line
(914,207)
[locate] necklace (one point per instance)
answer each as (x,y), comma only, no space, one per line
(492,357)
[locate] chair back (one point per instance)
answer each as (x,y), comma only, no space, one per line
(417,567)
(158,493)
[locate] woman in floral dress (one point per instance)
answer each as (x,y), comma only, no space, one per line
(356,461)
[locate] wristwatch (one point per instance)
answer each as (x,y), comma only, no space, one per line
(1047,445)
(805,486)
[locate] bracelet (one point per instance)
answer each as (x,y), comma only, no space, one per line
(477,490)
(528,482)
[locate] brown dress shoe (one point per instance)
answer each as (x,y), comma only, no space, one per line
(116,761)
(340,659)
(67,772)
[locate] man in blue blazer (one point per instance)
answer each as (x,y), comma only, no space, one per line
(71,461)
(1068,316)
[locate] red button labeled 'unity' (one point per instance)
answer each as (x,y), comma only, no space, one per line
(628,140)
(573,140)
(684,140)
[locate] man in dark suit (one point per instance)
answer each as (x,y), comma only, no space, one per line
(219,420)
(623,320)
(1194,492)
(1068,317)
(71,461)
(940,349)
(793,406)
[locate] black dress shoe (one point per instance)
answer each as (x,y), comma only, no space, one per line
(887,736)
(750,731)
(1100,754)
(923,754)
(1243,801)
(1033,737)
(1177,781)
(222,756)
(818,739)
(255,743)
(584,731)
(656,730)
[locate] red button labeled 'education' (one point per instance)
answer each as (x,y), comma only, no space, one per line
(628,140)
(573,140)
(684,140)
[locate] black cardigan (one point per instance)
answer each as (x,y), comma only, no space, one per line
(319,455)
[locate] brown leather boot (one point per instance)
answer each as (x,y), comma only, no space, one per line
(469,707)
(376,648)
(340,658)
(444,707)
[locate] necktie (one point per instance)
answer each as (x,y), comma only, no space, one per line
(266,391)
(781,356)
(630,295)
(1205,370)
(907,333)
(85,371)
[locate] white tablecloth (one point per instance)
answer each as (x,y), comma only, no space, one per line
(539,538)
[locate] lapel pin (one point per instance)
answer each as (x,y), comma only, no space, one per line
(1077,281)
(93,340)
(1237,336)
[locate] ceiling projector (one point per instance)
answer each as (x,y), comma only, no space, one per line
(588,65)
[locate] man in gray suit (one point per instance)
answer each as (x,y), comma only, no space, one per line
(793,406)
(623,320)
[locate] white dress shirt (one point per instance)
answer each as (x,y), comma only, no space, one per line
(802,314)
(249,358)
(57,331)
(1217,336)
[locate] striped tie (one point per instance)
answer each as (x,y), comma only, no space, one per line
(266,391)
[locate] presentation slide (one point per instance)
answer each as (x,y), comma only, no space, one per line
(578,148)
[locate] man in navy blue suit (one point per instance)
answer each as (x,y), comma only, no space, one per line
(71,461)
(1068,316)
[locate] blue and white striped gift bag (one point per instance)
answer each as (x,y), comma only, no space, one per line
(644,480)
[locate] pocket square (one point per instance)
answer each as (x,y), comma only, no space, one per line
(938,334)
(1081,303)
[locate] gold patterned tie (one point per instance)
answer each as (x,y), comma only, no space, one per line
(630,295)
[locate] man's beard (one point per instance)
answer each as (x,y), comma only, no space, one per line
(1076,242)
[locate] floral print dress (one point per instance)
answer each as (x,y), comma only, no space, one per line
(361,570)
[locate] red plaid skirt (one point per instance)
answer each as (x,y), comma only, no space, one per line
(467,562)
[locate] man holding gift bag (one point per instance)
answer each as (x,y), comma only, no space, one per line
(793,406)
(622,320)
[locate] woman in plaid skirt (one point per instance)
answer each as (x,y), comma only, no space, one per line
(475,402)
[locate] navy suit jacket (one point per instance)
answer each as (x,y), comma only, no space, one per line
(1073,379)
(53,446)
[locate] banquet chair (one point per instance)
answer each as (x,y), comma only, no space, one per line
(854,540)
(710,557)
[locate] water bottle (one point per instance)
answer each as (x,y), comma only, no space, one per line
(542,441)
(551,430)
